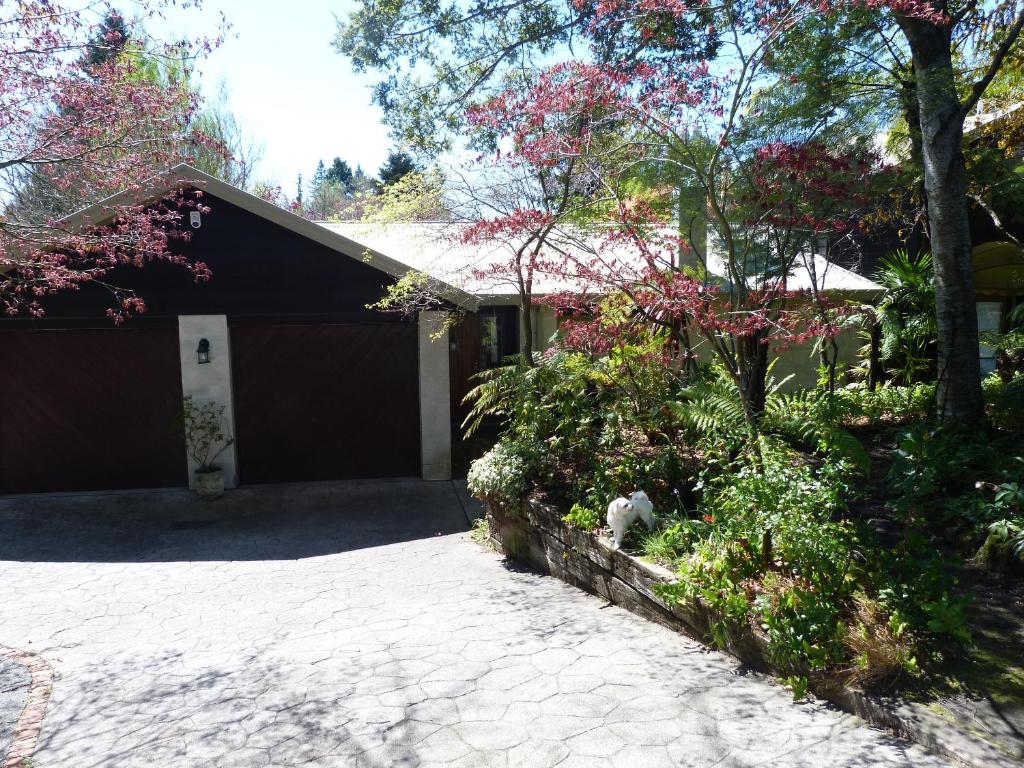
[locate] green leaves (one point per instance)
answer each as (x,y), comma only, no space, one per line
(906,316)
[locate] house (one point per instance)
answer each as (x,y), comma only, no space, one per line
(316,386)
(437,249)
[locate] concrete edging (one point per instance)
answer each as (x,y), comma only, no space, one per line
(538,537)
(30,723)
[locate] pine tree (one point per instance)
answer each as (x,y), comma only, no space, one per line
(395,167)
(109,40)
(340,173)
(319,177)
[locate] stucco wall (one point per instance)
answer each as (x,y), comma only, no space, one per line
(209,382)
(800,360)
(435,398)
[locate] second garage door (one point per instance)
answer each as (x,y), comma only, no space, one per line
(325,402)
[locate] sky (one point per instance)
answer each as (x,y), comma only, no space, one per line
(286,85)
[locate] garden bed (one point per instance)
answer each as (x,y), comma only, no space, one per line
(537,536)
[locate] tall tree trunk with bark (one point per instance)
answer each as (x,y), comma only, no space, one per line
(941,113)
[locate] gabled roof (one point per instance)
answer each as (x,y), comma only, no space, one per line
(184,175)
(433,248)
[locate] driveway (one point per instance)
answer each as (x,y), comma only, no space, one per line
(358,625)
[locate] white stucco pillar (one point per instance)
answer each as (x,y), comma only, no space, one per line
(209,382)
(435,399)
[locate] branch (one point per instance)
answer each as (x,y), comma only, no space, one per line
(993,68)
(994,216)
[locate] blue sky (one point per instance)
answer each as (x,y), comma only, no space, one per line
(287,85)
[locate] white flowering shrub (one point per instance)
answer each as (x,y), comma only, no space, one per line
(500,475)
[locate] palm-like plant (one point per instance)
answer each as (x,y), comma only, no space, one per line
(906,316)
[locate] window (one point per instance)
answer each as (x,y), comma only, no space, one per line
(990,314)
(499,334)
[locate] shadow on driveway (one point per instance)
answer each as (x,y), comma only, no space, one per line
(273,522)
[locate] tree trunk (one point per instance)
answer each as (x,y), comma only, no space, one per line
(912,114)
(959,375)
(754,374)
(526,343)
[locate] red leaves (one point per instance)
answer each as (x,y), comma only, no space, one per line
(73,132)
(518,225)
(807,186)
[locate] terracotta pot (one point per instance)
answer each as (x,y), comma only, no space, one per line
(209,484)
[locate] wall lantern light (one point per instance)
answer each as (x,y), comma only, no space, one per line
(203,351)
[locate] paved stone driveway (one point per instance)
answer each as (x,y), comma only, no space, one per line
(303,629)
(14,684)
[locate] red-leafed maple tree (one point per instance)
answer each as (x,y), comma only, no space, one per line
(471,53)
(83,118)
(760,206)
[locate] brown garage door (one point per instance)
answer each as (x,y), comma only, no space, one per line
(90,410)
(325,402)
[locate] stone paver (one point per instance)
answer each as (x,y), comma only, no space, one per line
(14,684)
(359,626)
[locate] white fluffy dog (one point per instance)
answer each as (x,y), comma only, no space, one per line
(622,513)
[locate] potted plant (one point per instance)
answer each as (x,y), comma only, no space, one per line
(205,441)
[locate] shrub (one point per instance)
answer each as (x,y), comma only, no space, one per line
(1004,399)
(886,403)
(584,518)
(501,475)
(774,549)
(1003,549)
(202,424)
(772,553)
(601,422)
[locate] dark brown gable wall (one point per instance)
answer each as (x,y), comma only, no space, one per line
(261,271)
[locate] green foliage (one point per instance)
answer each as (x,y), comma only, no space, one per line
(813,419)
(582,517)
(413,196)
(952,479)
(711,412)
(203,427)
(762,533)
(906,317)
(601,420)
(1010,532)
(887,403)
(798,684)
(964,484)
(772,550)
(1004,399)
(669,543)
(397,166)
(339,173)
(502,474)
(711,408)
(480,532)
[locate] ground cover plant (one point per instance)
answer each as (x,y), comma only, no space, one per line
(779,529)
